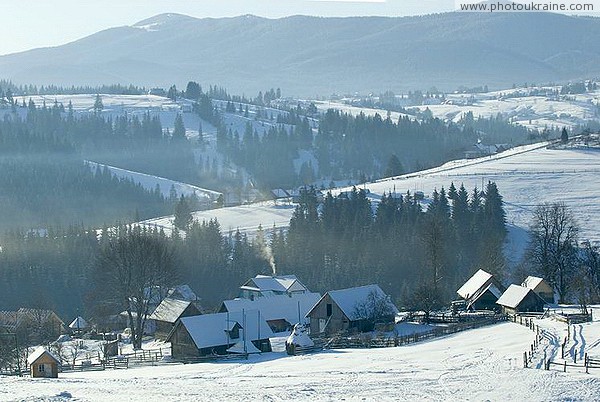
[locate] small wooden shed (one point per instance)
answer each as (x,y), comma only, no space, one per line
(43,364)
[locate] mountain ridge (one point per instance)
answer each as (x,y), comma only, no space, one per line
(308,56)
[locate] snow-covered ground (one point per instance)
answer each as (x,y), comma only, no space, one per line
(526,176)
(150,182)
(481,364)
(246,218)
(520,105)
(130,105)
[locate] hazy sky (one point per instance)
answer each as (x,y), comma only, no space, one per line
(28,24)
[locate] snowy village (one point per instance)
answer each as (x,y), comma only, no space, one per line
(299,200)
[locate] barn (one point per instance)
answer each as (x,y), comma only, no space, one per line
(168,312)
(219,334)
(358,309)
(481,291)
(518,299)
(541,287)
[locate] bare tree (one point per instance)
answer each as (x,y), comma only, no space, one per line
(553,245)
(425,298)
(375,308)
(129,266)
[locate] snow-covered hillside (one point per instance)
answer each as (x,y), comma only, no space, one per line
(150,182)
(526,176)
(522,106)
(481,364)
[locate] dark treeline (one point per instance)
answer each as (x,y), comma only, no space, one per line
(356,147)
(45,181)
(59,267)
(8,89)
(400,246)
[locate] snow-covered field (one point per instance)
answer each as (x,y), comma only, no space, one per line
(246,218)
(479,365)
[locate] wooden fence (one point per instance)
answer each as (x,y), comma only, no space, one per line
(541,334)
(343,342)
(137,358)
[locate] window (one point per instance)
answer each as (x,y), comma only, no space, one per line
(329,309)
(41,368)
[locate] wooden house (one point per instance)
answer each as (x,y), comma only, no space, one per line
(519,299)
(219,334)
(281,312)
(266,286)
(541,287)
(43,364)
(38,325)
(356,309)
(168,312)
(481,291)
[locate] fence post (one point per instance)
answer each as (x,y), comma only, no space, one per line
(575,356)
(565,367)
(587,371)
(525,359)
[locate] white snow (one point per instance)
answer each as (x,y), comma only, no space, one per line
(291,308)
(475,283)
(513,296)
(149,182)
(477,365)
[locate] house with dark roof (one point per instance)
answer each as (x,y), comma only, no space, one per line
(519,299)
(358,309)
(281,311)
(168,312)
(266,286)
(219,334)
(541,287)
(481,291)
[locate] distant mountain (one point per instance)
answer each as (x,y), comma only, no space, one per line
(318,56)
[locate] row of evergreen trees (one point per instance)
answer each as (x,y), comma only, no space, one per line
(350,147)
(401,246)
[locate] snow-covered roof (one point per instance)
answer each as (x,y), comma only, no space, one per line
(349,299)
(273,283)
(182,292)
(290,308)
(211,330)
(169,310)
(513,296)
(78,323)
(38,353)
(474,284)
(532,282)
